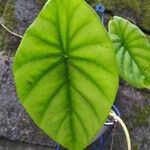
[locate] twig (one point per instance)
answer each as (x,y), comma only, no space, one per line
(15,34)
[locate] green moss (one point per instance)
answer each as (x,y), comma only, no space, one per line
(91,2)
(2,6)
(121,4)
(142,115)
(7,40)
(107,4)
(137,10)
(41,2)
(148,37)
(145,15)
(135,146)
(8,14)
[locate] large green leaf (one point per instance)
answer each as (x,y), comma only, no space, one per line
(132,52)
(65,72)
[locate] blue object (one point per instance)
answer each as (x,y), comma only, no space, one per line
(101,143)
(100,9)
(58,147)
(115,109)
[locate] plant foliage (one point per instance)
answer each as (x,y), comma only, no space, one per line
(65,72)
(132,52)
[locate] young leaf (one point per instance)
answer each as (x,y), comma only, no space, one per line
(66,74)
(132,52)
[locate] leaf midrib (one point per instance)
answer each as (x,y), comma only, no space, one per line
(126,47)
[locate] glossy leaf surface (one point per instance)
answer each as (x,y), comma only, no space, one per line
(132,52)
(65,72)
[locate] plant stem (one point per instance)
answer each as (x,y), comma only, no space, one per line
(14,34)
(120,121)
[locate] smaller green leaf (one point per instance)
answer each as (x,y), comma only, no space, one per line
(132,52)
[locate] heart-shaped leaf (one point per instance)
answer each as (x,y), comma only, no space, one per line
(132,52)
(65,72)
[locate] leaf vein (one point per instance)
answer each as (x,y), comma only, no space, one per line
(89,61)
(87,102)
(47,42)
(85,74)
(81,123)
(84,45)
(40,78)
(55,93)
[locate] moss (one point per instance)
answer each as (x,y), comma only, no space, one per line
(148,37)
(107,4)
(10,20)
(145,15)
(135,146)
(2,6)
(6,40)
(121,4)
(137,10)
(142,115)
(93,2)
(41,2)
